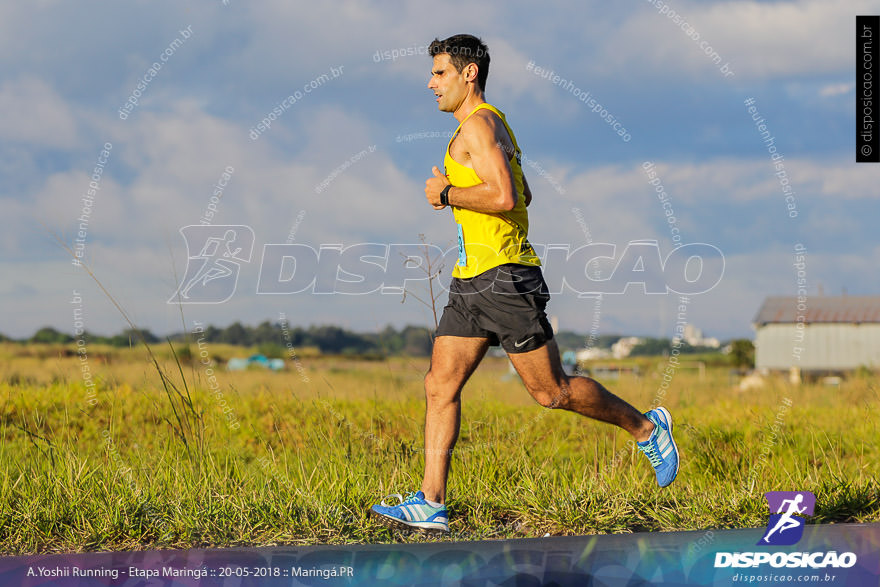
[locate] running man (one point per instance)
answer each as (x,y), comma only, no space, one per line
(497,294)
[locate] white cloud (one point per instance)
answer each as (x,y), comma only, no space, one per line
(743,180)
(759,39)
(836,89)
(34,113)
(844,180)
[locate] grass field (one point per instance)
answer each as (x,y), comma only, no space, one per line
(259,458)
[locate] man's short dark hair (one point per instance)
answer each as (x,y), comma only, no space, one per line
(462,50)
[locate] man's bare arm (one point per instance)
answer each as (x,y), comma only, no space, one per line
(497,193)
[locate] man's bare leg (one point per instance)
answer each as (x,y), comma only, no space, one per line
(453,360)
(546,381)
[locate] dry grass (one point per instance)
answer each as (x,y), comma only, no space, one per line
(313,450)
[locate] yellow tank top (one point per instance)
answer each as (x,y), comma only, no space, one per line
(489,239)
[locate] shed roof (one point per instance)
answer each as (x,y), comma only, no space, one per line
(827,309)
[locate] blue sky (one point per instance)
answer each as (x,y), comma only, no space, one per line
(68,69)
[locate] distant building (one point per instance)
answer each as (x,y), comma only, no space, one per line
(592,353)
(694,337)
(623,347)
(818,334)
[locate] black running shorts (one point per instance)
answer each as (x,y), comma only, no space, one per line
(504,304)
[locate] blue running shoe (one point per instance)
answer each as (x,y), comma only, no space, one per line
(660,448)
(412,513)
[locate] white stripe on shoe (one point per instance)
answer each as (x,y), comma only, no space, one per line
(667,418)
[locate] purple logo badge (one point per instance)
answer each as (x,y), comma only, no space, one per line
(785,527)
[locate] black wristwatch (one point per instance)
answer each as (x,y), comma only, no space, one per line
(444,195)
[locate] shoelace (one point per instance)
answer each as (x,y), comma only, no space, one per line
(652,454)
(409,497)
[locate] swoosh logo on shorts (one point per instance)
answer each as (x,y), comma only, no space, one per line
(519,344)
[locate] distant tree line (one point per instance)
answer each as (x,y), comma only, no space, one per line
(272,339)
(568,340)
(127,337)
(652,347)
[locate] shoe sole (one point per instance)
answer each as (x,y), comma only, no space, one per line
(668,418)
(401,525)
